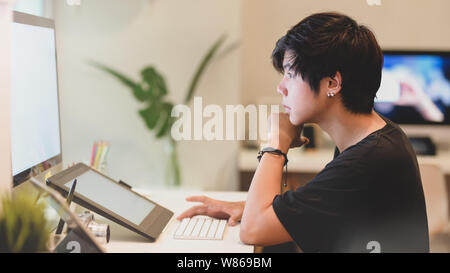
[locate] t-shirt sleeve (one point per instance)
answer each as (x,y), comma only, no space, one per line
(317,214)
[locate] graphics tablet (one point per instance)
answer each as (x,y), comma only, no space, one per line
(101,194)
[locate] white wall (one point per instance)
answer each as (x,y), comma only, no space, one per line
(127,35)
(5,72)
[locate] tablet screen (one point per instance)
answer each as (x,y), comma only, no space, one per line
(112,196)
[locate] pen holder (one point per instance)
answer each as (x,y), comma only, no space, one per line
(102,167)
(101,232)
(99,155)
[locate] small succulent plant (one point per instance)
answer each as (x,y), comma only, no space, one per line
(23,226)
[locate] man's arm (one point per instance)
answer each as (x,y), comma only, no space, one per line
(260,225)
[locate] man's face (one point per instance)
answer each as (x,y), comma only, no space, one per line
(302,104)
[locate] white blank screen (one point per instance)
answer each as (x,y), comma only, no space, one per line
(112,196)
(35,135)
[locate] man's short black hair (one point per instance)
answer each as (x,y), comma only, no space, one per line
(325,43)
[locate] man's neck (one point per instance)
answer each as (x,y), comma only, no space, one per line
(347,129)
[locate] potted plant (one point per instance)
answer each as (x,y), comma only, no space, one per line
(23,226)
(151,90)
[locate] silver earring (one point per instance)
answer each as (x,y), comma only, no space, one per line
(331,94)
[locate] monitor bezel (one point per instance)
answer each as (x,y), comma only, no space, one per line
(28,19)
(417,52)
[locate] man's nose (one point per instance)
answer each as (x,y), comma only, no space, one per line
(281,89)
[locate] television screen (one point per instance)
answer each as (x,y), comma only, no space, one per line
(415,88)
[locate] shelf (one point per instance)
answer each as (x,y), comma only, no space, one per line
(313,161)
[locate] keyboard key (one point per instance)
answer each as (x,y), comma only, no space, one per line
(182,227)
(205,228)
(221,229)
(198,227)
(190,227)
(213,229)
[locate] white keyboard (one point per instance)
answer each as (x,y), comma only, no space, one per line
(200,228)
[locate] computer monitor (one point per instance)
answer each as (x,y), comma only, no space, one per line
(35,121)
(415,87)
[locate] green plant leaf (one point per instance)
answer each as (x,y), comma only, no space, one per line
(152,88)
(155,82)
(23,235)
(167,120)
(200,70)
(151,114)
(23,226)
(124,79)
(138,92)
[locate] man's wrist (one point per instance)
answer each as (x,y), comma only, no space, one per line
(272,151)
(278,146)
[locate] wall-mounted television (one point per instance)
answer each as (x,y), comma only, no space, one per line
(415,87)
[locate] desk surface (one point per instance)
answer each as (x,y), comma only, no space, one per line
(125,241)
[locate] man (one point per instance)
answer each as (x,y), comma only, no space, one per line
(370,194)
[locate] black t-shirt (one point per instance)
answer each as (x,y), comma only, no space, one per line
(368,198)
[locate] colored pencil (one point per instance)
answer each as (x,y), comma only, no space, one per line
(97,156)
(104,152)
(94,150)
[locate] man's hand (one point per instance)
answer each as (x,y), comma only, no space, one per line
(215,208)
(283,134)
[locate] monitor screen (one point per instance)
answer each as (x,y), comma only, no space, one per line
(415,88)
(35,126)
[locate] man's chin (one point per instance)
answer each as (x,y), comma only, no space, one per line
(295,120)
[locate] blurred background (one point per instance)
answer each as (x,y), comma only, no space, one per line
(174,36)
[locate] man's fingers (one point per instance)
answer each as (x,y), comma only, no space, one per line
(200,198)
(304,140)
(233,221)
(300,142)
(197,210)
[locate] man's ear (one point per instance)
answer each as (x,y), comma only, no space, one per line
(335,83)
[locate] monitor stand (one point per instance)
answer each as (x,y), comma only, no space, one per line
(423,145)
